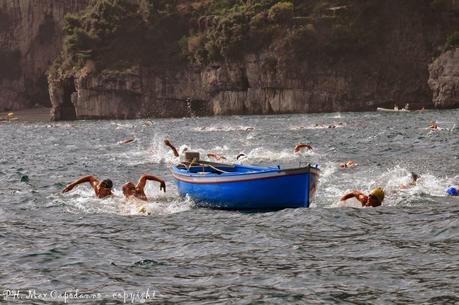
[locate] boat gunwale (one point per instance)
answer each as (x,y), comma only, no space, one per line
(220,178)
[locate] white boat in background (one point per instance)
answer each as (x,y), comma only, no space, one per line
(396,109)
(392,110)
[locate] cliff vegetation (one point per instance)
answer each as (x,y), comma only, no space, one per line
(119,33)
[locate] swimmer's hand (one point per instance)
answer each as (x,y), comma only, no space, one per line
(68,188)
(162,186)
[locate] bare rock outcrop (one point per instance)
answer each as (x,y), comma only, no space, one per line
(444,79)
(30,38)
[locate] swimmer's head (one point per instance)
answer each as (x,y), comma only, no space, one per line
(106,184)
(414,176)
(128,189)
(105,188)
(377,194)
(452,191)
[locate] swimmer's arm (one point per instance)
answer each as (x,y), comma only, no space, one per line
(358,195)
(216,156)
(300,146)
(143,181)
(174,150)
(91,179)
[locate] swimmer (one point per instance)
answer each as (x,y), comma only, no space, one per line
(215,156)
(433,125)
(374,199)
(298,147)
(127,141)
(241,155)
(10,117)
(131,190)
(249,129)
(348,164)
(174,150)
(453,191)
(102,189)
(414,178)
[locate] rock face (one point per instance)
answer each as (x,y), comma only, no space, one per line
(30,38)
(392,72)
(444,79)
(248,87)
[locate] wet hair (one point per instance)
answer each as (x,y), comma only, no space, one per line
(107,183)
(127,187)
(414,176)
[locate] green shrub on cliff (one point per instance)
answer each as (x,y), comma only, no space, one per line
(452,41)
(118,33)
(281,12)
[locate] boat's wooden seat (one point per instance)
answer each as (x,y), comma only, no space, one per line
(203,164)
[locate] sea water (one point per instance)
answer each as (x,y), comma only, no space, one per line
(75,248)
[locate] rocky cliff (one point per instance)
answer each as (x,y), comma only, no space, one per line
(263,58)
(391,67)
(30,38)
(444,79)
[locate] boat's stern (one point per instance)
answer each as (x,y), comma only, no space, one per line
(314,173)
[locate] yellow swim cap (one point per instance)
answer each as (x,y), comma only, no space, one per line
(142,210)
(378,193)
(10,114)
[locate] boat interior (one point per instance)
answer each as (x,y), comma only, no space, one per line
(205,167)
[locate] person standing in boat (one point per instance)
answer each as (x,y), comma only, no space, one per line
(374,199)
(131,190)
(102,189)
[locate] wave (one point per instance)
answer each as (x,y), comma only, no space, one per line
(223,128)
(82,200)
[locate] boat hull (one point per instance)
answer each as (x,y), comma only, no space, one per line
(272,190)
(392,110)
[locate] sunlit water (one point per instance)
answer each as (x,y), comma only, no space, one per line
(406,251)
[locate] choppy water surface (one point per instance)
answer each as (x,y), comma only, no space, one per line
(406,251)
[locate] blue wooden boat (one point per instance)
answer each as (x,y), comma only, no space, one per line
(243,187)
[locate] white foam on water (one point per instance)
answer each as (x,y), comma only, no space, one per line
(161,154)
(316,126)
(83,200)
(262,154)
(135,157)
(220,128)
(219,149)
(349,203)
(123,125)
(156,207)
(328,169)
(59,125)
(336,116)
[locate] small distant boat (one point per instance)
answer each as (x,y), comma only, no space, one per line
(393,110)
(244,187)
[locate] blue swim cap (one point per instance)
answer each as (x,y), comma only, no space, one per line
(452,191)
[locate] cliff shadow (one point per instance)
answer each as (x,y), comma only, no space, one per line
(68,108)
